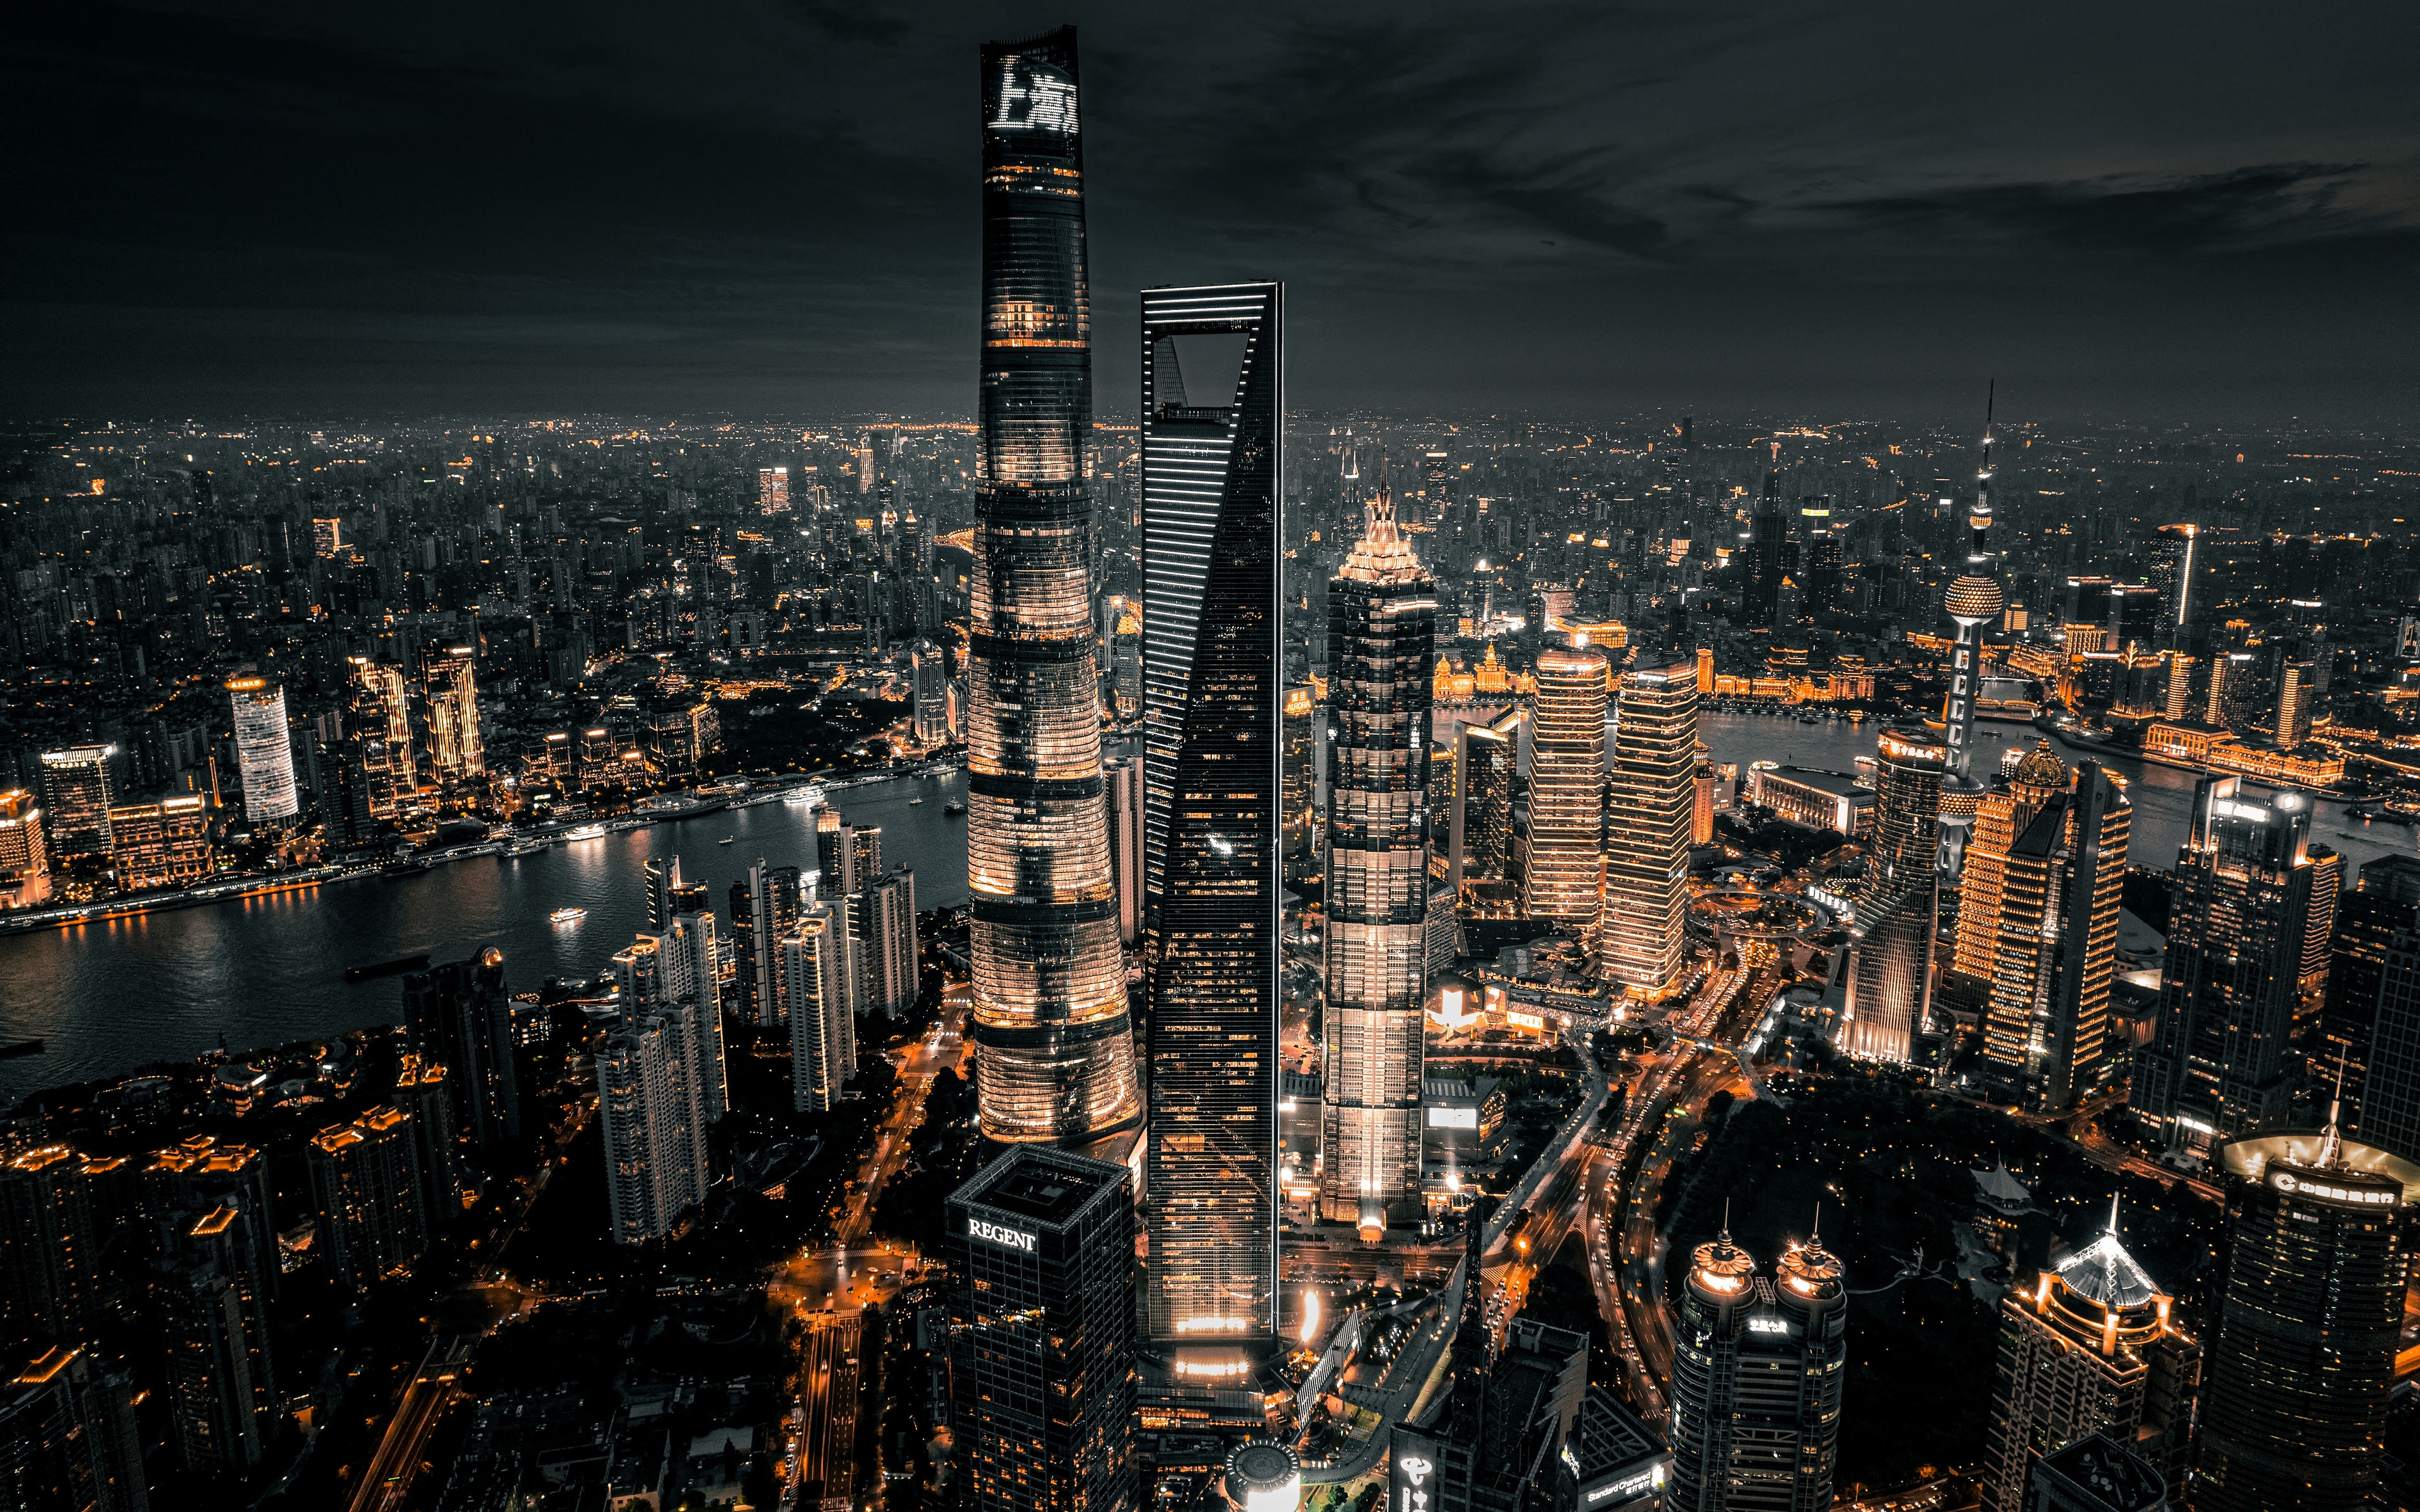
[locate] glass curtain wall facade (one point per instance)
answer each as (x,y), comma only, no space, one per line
(1889,967)
(1653,797)
(2046,1034)
(1381,656)
(264,752)
(1565,880)
(1056,1049)
(1212,742)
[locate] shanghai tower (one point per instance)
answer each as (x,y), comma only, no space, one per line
(1056,1052)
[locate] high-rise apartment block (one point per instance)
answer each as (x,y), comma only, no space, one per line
(1652,794)
(211,1296)
(459,1013)
(650,1085)
(264,749)
(68,1437)
(821,974)
(2301,1363)
(1213,695)
(1055,1045)
(1758,1364)
(772,492)
(2091,1346)
(367,1183)
(1042,1339)
(882,928)
(2238,916)
(1381,652)
(765,912)
(1564,873)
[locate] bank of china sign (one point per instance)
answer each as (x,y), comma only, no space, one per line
(1000,1234)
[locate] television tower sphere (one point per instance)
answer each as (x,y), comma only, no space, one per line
(1974,598)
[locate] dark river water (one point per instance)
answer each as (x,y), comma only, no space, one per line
(254,972)
(2162,796)
(261,971)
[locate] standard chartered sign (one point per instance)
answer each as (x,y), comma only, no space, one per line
(1000,1234)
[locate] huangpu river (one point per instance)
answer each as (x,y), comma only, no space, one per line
(253,972)
(2162,796)
(247,973)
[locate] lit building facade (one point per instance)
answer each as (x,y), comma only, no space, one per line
(365,1178)
(2238,908)
(1758,1363)
(164,844)
(820,973)
(2301,1362)
(930,672)
(2000,817)
(882,930)
(772,492)
(1124,780)
(1213,735)
(2090,1347)
(75,784)
(2046,1039)
(455,752)
(24,852)
(264,751)
(1563,872)
(650,1105)
(1056,1048)
(1888,973)
(1653,795)
(1041,1347)
(1381,647)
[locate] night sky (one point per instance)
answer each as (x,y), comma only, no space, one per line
(2121,211)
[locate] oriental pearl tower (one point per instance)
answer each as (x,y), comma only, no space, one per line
(1973,599)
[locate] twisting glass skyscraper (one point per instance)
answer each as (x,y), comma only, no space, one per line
(1213,414)
(1057,1056)
(1381,654)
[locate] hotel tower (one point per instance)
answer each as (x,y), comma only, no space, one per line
(1381,654)
(1056,1056)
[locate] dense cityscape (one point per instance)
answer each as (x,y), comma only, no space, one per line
(1201,948)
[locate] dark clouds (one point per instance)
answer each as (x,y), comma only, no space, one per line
(769,206)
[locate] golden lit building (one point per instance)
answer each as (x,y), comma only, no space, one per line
(164,844)
(1563,874)
(2002,815)
(455,752)
(1652,796)
(2046,1034)
(24,852)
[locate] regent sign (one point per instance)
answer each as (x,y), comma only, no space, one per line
(1000,1234)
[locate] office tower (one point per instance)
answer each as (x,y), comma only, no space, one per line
(75,788)
(2294,700)
(2239,906)
(460,1014)
(1213,732)
(2302,1361)
(50,1246)
(2001,816)
(1299,808)
(367,1183)
(663,879)
(1124,779)
(1487,773)
(882,931)
(1564,876)
(1381,653)
(1125,664)
(1701,804)
(654,1121)
(384,711)
(1768,555)
(24,852)
(264,749)
(1055,1058)
(1757,1370)
(2088,1347)
(929,674)
(164,844)
(1504,1441)
(2382,902)
(772,492)
(1042,1337)
(2095,1474)
(2046,1039)
(213,1307)
(2172,574)
(1888,973)
(455,752)
(69,1440)
(1652,794)
(821,974)
(1436,475)
(772,899)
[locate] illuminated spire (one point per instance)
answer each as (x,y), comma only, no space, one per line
(1979,554)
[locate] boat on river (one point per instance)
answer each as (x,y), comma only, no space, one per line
(569,916)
